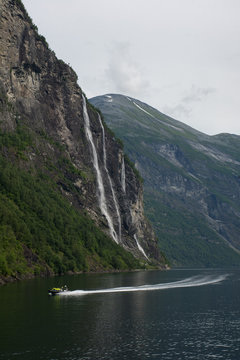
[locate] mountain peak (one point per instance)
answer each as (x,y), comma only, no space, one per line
(186,173)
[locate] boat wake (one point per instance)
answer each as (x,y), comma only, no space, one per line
(189,282)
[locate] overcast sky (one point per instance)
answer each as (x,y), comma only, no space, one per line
(180,56)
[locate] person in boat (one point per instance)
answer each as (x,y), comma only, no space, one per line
(54,291)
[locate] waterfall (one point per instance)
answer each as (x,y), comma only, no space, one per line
(140,247)
(110,180)
(102,197)
(123,175)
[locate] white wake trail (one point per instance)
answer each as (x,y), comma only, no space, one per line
(189,282)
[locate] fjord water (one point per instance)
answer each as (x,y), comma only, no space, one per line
(177,314)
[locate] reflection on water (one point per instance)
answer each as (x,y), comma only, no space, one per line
(183,314)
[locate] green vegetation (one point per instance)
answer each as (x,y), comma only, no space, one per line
(35,215)
(186,238)
(19,139)
(12,260)
(186,173)
(40,231)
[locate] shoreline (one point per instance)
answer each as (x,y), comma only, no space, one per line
(11,279)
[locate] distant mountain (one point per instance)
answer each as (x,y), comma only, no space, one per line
(191,181)
(68,200)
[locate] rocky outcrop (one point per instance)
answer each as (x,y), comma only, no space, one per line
(43,95)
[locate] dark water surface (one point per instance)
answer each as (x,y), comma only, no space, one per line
(178,314)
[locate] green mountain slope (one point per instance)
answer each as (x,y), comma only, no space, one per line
(191,181)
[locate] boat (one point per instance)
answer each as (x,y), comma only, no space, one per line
(55,290)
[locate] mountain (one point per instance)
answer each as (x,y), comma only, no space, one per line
(191,181)
(68,200)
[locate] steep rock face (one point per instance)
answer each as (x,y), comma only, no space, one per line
(191,181)
(46,98)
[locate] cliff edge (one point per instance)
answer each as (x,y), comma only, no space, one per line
(68,143)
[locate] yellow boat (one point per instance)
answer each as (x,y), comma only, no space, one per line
(55,291)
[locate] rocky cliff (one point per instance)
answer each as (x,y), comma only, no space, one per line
(191,181)
(39,94)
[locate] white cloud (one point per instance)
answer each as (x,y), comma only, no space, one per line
(197,94)
(178,111)
(159,49)
(183,109)
(124,73)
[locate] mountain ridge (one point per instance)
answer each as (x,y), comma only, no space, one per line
(185,172)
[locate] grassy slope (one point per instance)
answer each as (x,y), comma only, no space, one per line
(185,237)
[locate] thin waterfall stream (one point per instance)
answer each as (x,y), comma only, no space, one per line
(123,175)
(140,247)
(110,180)
(101,197)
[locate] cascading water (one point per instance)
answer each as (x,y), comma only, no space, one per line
(110,180)
(102,197)
(123,175)
(140,247)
